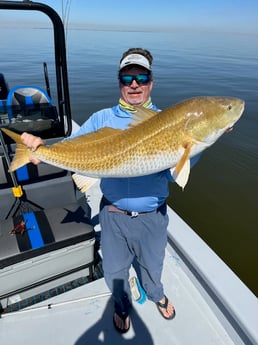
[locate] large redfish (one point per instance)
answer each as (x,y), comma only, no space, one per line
(153,142)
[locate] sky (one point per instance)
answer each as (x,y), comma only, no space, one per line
(239,16)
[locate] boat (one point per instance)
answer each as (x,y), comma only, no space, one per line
(52,289)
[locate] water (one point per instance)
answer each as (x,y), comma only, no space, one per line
(221,198)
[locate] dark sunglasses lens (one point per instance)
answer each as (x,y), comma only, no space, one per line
(126,79)
(141,79)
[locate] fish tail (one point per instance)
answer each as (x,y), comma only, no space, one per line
(22,153)
(21,158)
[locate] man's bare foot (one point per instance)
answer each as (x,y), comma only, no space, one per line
(166,308)
(121,323)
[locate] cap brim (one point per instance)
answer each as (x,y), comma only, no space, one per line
(135,59)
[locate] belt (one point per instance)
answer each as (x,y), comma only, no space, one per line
(112,208)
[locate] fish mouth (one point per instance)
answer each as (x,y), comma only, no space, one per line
(230,129)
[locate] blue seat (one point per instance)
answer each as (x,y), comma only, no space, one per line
(28,95)
(22,100)
(30,109)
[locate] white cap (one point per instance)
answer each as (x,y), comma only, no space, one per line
(135,59)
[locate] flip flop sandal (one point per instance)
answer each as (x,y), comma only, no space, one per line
(123,316)
(165,306)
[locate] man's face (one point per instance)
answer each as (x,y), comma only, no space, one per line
(134,93)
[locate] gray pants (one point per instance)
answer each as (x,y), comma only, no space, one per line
(124,239)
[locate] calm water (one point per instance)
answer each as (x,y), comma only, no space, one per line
(220,202)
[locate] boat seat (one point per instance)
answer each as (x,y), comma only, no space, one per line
(30,109)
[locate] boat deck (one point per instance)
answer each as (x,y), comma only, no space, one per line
(84,315)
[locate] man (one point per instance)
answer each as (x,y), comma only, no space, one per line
(133,215)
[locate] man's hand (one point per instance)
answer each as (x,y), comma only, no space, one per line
(32,142)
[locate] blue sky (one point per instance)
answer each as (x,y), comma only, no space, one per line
(214,15)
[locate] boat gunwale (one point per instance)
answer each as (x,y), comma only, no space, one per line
(233,302)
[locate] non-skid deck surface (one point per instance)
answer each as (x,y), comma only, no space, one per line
(84,316)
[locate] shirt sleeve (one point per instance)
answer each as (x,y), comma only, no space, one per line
(94,122)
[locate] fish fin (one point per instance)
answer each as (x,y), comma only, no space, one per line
(182,177)
(142,114)
(182,170)
(83,182)
(16,137)
(22,153)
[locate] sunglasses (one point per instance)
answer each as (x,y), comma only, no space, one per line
(141,79)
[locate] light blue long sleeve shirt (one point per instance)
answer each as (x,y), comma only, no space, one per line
(140,194)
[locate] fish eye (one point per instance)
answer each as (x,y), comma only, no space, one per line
(229,107)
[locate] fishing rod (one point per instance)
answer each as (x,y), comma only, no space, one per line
(46,79)
(17,190)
